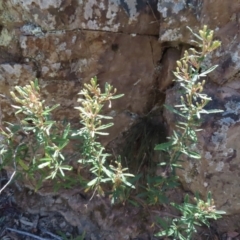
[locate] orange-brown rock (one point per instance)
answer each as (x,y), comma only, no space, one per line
(133,45)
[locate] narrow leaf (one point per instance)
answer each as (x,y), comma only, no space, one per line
(171,109)
(104,126)
(92,182)
(117,96)
(163,146)
(204,74)
(42,165)
(23,165)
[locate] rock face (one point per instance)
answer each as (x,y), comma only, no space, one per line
(133,45)
(65,43)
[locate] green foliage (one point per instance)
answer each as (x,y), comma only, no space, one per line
(36,142)
(93,153)
(192,215)
(189,73)
(156,186)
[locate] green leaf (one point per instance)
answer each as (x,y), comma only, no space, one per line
(104,126)
(177,165)
(163,146)
(66,167)
(168,233)
(22,164)
(178,77)
(108,172)
(163,222)
(193,154)
(198,115)
(171,109)
(128,175)
(117,96)
(186,198)
(197,36)
(101,133)
(104,117)
(129,184)
(36,85)
(64,144)
(61,171)
(47,110)
(48,159)
(204,74)
(104,180)
(66,132)
(42,165)
(162,164)
(14,106)
(92,182)
(219,212)
(211,111)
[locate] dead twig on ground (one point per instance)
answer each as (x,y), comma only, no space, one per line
(52,235)
(26,234)
(9,181)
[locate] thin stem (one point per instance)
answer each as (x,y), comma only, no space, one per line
(15,168)
(26,234)
(9,181)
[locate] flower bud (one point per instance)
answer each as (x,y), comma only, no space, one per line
(201,33)
(205,28)
(215,45)
(179,64)
(210,37)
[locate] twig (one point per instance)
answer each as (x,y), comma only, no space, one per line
(93,194)
(27,234)
(51,234)
(35,221)
(3,96)
(23,221)
(8,182)
(15,168)
(15,152)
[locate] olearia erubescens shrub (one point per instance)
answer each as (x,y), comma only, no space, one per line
(190,76)
(36,144)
